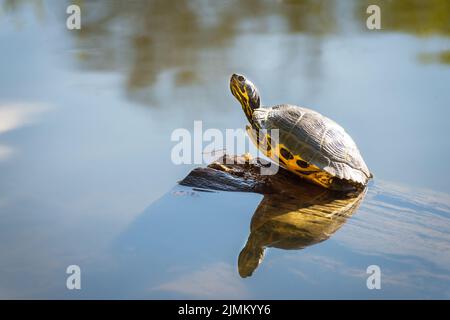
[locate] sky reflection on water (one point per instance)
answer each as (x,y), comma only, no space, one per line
(180,248)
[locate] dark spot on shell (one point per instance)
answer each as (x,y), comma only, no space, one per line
(302,164)
(286,154)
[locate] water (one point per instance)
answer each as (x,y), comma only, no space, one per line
(180,248)
(85,124)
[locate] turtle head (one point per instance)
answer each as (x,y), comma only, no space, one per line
(247,94)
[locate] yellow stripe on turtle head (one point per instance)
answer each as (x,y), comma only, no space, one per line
(246,93)
(242,96)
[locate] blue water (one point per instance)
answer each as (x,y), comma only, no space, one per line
(85,124)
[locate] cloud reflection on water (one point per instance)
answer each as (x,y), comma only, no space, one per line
(14,116)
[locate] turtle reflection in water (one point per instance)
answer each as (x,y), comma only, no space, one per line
(292,215)
(309,145)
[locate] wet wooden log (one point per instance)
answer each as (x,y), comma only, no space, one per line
(242,173)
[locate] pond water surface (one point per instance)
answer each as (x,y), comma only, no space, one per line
(86,117)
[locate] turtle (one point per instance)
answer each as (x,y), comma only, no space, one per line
(309,144)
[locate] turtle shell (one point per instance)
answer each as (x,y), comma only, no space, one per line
(317,139)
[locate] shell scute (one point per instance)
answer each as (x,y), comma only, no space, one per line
(317,139)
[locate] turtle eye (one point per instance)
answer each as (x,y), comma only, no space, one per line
(241,78)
